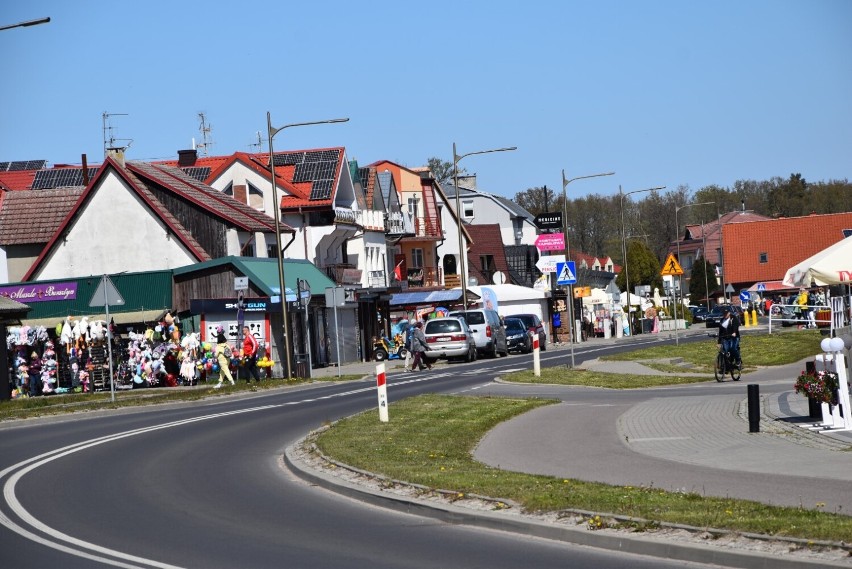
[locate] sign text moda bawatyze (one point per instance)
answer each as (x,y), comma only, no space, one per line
(40,292)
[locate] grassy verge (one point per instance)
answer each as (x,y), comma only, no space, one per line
(29,407)
(561,375)
(757,350)
(430,438)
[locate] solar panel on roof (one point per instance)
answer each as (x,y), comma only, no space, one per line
(321,156)
(321,190)
(200,173)
(60,178)
(289,159)
(20,165)
(310,171)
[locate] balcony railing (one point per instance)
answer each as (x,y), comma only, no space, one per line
(344,273)
(377,279)
(399,223)
(423,277)
(427,227)
(369,219)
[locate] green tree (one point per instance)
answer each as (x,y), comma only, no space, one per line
(643,266)
(702,277)
(442,170)
(538,200)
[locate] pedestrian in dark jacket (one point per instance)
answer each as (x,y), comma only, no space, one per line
(419,347)
(729,335)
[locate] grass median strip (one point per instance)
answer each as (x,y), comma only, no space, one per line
(430,438)
(562,375)
(58,404)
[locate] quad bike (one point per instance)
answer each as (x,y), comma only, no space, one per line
(386,349)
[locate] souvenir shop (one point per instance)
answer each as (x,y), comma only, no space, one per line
(61,346)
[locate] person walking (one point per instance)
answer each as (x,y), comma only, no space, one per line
(223,358)
(409,334)
(250,346)
(729,336)
(419,347)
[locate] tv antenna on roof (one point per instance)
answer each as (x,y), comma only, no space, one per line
(204,129)
(109,141)
(259,143)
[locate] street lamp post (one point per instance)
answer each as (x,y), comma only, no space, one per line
(624,243)
(276,206)
(462,250)
(570,296)
(25,24)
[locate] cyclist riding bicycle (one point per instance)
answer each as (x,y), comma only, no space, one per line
(729,336)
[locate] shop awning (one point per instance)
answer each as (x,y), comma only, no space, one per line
(134,317)
(429,297)
(772,286)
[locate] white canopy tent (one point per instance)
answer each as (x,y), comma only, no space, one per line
(830,266)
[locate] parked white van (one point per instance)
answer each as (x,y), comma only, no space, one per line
(488,331)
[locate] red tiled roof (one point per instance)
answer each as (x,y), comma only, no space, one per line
(215,202)
(32,217)
(487,240)
(17,179)
(143,192)
(785,242)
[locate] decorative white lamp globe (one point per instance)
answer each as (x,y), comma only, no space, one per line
(825,345)
(837,344)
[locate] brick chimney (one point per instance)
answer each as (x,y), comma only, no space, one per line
(187,157)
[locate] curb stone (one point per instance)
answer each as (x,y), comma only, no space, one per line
(685,543)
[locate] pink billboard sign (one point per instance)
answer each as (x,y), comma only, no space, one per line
(26,293)
(550,242)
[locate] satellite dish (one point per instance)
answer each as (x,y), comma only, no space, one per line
(498,278)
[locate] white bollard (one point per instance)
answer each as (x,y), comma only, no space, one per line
(536,357)
(382,390)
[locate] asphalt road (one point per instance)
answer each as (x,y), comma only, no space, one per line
(202,485)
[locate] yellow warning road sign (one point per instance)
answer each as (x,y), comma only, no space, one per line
(671,266)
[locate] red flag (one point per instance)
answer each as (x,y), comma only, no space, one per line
(397,271)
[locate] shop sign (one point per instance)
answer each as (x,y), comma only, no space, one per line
(40,292)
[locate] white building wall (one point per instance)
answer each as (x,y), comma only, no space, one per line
(116,232)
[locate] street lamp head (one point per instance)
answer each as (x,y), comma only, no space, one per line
(565,181)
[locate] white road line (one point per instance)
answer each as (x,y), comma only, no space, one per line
(88,550)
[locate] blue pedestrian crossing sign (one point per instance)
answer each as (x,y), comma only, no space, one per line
(761,287)
(566,273)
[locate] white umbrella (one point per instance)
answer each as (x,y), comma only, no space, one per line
(830,266)
(635,300)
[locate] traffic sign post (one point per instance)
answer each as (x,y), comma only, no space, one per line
(107,294)
(566,273)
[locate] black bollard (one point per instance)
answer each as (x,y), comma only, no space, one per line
(753,408)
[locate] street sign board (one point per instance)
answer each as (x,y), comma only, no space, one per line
(550,242)
(240,283)
(729,289)
(547,264)
(671,266)
(566,273)
(761,287)
(106,294)
(744,295)
(549,220)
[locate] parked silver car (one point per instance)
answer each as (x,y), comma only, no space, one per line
(488,332)
(449,338)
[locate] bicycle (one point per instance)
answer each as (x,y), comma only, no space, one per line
(725,364)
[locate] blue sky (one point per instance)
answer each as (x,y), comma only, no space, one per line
(663,92)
